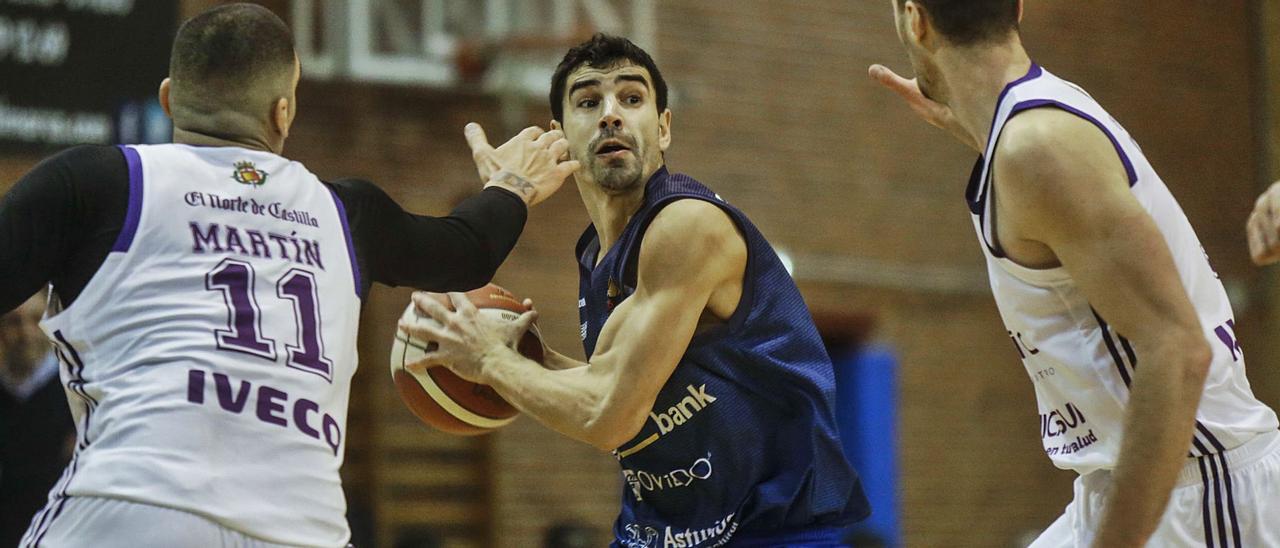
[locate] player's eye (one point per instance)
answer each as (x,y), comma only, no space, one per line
(634,99)
(588,103)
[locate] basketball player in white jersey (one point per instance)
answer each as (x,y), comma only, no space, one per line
(207,295)
(1122,323)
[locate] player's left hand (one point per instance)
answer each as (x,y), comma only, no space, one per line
(532,165)
(1263,227)
(464,338)
(937,114)
(481,151)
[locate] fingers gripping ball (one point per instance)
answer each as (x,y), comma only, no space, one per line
(444,400)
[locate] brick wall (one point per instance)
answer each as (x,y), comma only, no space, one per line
(774,110)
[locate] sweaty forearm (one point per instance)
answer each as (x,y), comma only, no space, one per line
(557,361)
(1158,431)
(568,400)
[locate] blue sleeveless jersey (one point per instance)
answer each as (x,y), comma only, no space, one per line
(741,443)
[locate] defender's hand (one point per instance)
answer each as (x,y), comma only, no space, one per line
(481,151)
(937,114)
(532,164)
(1263,227)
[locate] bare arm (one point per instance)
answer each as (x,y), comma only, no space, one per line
(557,361)
(1064,186)
(690,251)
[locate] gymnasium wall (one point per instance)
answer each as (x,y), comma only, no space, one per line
(775,112)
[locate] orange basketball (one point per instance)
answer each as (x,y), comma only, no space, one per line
(444,400)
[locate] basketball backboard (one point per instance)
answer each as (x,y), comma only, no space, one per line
(497,46)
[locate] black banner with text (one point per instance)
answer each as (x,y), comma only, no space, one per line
(83,71)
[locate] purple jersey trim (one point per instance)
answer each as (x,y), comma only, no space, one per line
(351,246)
(1231,501)
(976,206)
(1217,502)
(1034,72)
(44,519)
(134,213)
(976,192)
(1124,157)
(1204,502)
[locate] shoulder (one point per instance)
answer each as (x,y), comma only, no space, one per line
(692,222)
(1060,179)
(91,153)
(87,160)
(360,195)
(1048,135)
(691,235)
(1049,151)
(356,189)
(88,174)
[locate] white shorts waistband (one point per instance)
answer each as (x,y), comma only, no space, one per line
(1238,458)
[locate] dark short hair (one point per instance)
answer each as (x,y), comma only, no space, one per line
(603,50)
(970,22)
(225,52)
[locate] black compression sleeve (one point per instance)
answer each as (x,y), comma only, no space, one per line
(58,223)
(454,253)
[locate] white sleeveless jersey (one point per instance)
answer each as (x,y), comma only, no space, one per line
(1080,367)
(208,362)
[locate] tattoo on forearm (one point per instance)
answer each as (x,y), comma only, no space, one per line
(520,184)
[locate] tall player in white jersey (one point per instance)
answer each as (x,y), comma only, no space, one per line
(1122,324)
(206,298)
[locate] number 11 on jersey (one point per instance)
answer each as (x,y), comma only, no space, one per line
(235,280)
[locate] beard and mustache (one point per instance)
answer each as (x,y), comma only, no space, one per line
(615,174)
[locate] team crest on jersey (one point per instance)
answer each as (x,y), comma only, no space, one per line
(247,174)
(612,293)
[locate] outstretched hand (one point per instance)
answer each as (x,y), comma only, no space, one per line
(1263,228)
(937,114)
(532,164)
(463,337)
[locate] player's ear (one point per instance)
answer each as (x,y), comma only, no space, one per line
(664,130)
(165,87)
(281,117)
(556,125)
(917,24)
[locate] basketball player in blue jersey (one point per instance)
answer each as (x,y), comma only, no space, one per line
(206,299)
(1122,324)
(706,377)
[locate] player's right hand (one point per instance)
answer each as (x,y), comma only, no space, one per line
(937,114)
(1263,227)
(532,164)
(463,337)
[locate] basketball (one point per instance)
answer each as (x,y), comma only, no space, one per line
(439,397)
